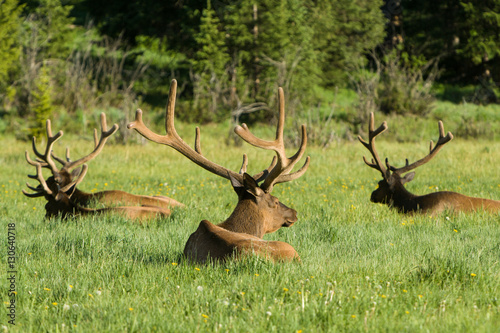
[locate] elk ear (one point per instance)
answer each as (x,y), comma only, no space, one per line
(251,185)
(408,177)
(235,182)
(76,172)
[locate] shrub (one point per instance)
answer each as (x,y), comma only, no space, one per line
(397,83)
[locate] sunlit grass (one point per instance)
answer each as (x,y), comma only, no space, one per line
(364,267)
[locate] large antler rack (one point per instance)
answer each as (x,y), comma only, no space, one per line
(386,171)
(172,139)
(45,160)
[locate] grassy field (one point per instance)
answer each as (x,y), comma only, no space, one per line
(364,267)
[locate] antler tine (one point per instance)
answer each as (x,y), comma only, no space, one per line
(280,172)
(291,176)
(46,157)
(244,164)
(432,151)
(39,176)
(197,137)
(36,189)
(172,139)
(370,145)
(96,140)
(60,160)
(99,145)
(33,195)
(29,160)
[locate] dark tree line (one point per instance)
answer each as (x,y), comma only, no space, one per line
(230,56)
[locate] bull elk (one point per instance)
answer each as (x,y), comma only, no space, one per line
(64,198)
(257,212)
(391,190)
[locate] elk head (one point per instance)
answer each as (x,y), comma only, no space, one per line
(257,211)
(66,178)
(58,198)
(60,187)
(391,188)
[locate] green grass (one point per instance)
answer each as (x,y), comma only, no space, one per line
(364,267)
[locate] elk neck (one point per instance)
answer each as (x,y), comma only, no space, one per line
(404,200)
(246,218)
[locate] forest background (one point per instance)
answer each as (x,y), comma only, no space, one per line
(337,60)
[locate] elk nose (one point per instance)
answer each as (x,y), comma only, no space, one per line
(291,219)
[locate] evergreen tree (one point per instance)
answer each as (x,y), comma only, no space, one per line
(41,103)
(344,31)
(464,34)
(46,35)
(271,44)
(209,63)
(10,48)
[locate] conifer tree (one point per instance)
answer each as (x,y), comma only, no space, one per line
(10,47)
(210,63)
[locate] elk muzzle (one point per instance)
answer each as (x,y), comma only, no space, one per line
(289,215)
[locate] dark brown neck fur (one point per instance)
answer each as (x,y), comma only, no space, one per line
(403,200)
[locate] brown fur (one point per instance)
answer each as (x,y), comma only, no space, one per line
(110,197)
(62,205)
(217,243)
(397,196)
(391,190)
(256,214)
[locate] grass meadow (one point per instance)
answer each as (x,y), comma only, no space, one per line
(365,268)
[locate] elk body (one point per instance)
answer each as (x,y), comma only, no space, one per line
(257,212)
(391,190)
(63,198)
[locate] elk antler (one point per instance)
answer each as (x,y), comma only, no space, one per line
(280,173)
(370,145)
(432,152)
(377,164)
(44,159)
(172,139)
(98,146)
(43,188)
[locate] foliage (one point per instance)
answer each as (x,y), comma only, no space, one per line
(45,38)
(41,103)
(344,31)
(398,84)
(209,65)
(464,33)
(229,57)
(406,85)
(10,48)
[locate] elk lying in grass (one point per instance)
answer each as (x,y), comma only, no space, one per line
(257,211)
(60,189)
(391,190)
(60,200)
